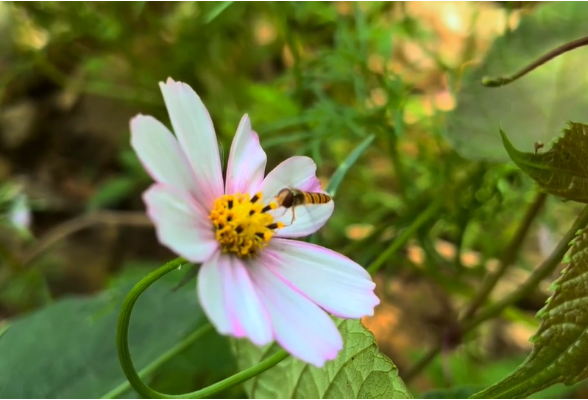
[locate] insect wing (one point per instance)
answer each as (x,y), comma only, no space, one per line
(303,219)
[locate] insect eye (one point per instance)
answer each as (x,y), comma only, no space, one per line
(288,200)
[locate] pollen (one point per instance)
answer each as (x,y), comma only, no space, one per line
(242,223)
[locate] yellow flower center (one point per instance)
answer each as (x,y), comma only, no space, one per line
(242,223)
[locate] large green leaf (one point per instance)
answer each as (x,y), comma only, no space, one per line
(562,170)
(561,344)
(360,371)
(67,350)
(536,105)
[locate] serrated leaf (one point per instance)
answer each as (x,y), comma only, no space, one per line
(68,349)
(359,371)
(534,106)
(561,171)
(561,343)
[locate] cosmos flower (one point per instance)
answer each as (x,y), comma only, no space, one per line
(255,282)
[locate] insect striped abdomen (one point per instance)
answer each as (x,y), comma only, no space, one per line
(316,198)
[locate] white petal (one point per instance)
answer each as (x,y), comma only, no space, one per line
(306,220)
(20,213)
(296,172)
(333,281)
(180,223)
(246,161)
(300,326)
(160,153)
(230,300)
(193,127)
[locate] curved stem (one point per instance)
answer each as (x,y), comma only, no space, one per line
(177,349)
(124,354)
(505,80)
(122,332)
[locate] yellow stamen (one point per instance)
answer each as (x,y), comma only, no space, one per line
(242,224)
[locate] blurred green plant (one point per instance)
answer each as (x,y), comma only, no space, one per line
(319,79)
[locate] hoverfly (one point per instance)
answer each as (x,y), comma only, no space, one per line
(292,198)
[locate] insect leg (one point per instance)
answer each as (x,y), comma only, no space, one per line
(293,215)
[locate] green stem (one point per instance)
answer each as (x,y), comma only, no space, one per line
(424,217)
(505,80)
(508,256)
(168,355)
(544,270)
(421,364)
(239,377)
(406,235)
(290,42)
(124,354)
(397,163)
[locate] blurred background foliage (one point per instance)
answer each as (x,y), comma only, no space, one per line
(316,79)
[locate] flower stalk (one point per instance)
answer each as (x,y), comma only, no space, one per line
(124,354)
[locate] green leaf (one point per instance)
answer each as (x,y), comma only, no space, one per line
(112,191)
(216,11)
(3,328)
(342,169)
(561,343)
(360,371)
(67,350)
(271,107)
(536,105)
(561,171)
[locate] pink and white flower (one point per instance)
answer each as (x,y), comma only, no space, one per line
(254,282)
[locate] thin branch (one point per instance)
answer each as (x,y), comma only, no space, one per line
(421,364)
(508,257)
(505,80)
(544,270)
(58,233)
(405,235)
